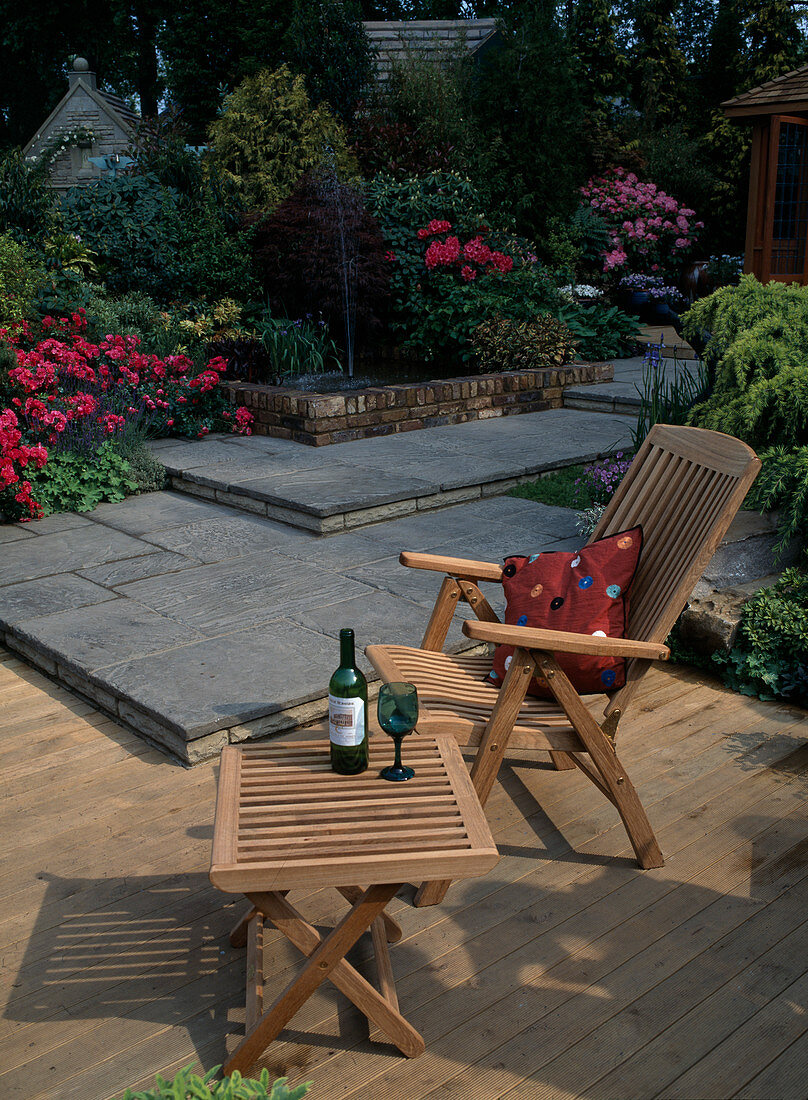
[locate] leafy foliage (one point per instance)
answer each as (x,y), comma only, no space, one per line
(149,237)
(602,331)
(502,344)
(783,484)
(770,656)
(527,101)
(419,122)
(297,347)
(321,252)
(268,135)
(26,203)
(583,486)
(189,1086)
(758,348)
(664,399)
(21,272)
(208,46)
(69,483)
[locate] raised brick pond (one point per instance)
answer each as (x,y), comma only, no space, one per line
(322,418)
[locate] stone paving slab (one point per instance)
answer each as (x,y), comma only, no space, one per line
(196,633)
(350,485)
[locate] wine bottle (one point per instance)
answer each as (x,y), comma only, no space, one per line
(348,711)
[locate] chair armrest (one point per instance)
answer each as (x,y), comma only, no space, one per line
(455,567)
(561,641)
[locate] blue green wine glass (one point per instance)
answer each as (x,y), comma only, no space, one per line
(398,716)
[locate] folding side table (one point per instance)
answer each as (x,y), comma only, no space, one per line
(285,820)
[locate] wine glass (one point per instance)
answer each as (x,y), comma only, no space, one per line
(398,715)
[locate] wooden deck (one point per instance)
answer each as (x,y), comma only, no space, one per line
(565,972)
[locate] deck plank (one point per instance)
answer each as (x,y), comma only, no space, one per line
(565,972)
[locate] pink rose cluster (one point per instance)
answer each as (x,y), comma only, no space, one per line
(647,228)
(69,388)
(473,258)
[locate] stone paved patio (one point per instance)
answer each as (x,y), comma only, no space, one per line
(197,624)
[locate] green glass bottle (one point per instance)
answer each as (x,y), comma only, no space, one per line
(348,711)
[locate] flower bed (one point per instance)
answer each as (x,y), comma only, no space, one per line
(320,419)
(67,395)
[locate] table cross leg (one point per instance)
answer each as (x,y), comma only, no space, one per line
(326,959)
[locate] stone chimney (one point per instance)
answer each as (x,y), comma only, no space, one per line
(81,71)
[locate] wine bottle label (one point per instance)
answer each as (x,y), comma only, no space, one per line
(346,720)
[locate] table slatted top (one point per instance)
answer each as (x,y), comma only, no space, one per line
(284,819)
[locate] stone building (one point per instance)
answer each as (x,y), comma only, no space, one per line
(104,123)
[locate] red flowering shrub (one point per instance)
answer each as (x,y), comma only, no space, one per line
(473,258)
(70,394)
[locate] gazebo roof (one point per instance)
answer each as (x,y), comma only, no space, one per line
(786,94)
(394,40)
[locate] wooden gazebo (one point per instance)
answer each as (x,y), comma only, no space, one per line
(777,214)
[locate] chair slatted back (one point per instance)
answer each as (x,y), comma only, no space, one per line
(683,487)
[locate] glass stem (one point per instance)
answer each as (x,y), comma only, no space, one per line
(397,763)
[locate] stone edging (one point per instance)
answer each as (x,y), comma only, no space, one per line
(321,419)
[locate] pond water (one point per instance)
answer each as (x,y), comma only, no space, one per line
(376,374)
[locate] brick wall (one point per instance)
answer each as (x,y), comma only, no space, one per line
(320,419)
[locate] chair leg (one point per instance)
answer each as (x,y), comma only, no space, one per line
(615,782)
(561,761)
(491,750)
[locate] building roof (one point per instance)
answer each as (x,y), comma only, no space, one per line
(108,104)
(786,94)
(395,40)
(121,108)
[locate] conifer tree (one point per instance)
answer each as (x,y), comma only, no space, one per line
(659,65)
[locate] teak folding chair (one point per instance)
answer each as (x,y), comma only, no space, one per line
(683,487)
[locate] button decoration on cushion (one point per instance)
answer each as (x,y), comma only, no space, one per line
(584,592)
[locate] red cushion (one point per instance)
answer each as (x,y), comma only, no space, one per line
(585,593)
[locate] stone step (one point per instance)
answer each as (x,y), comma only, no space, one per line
(328,490)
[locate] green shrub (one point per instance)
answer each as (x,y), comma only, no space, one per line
(27,209)
(758,350)
(770,656)
(268,136)
(602,331)
(21,273)
(188,1086)
(783,484)
(502,344)
(148,474)
(151,238)
(435,312)
(69,482)
(133,314)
